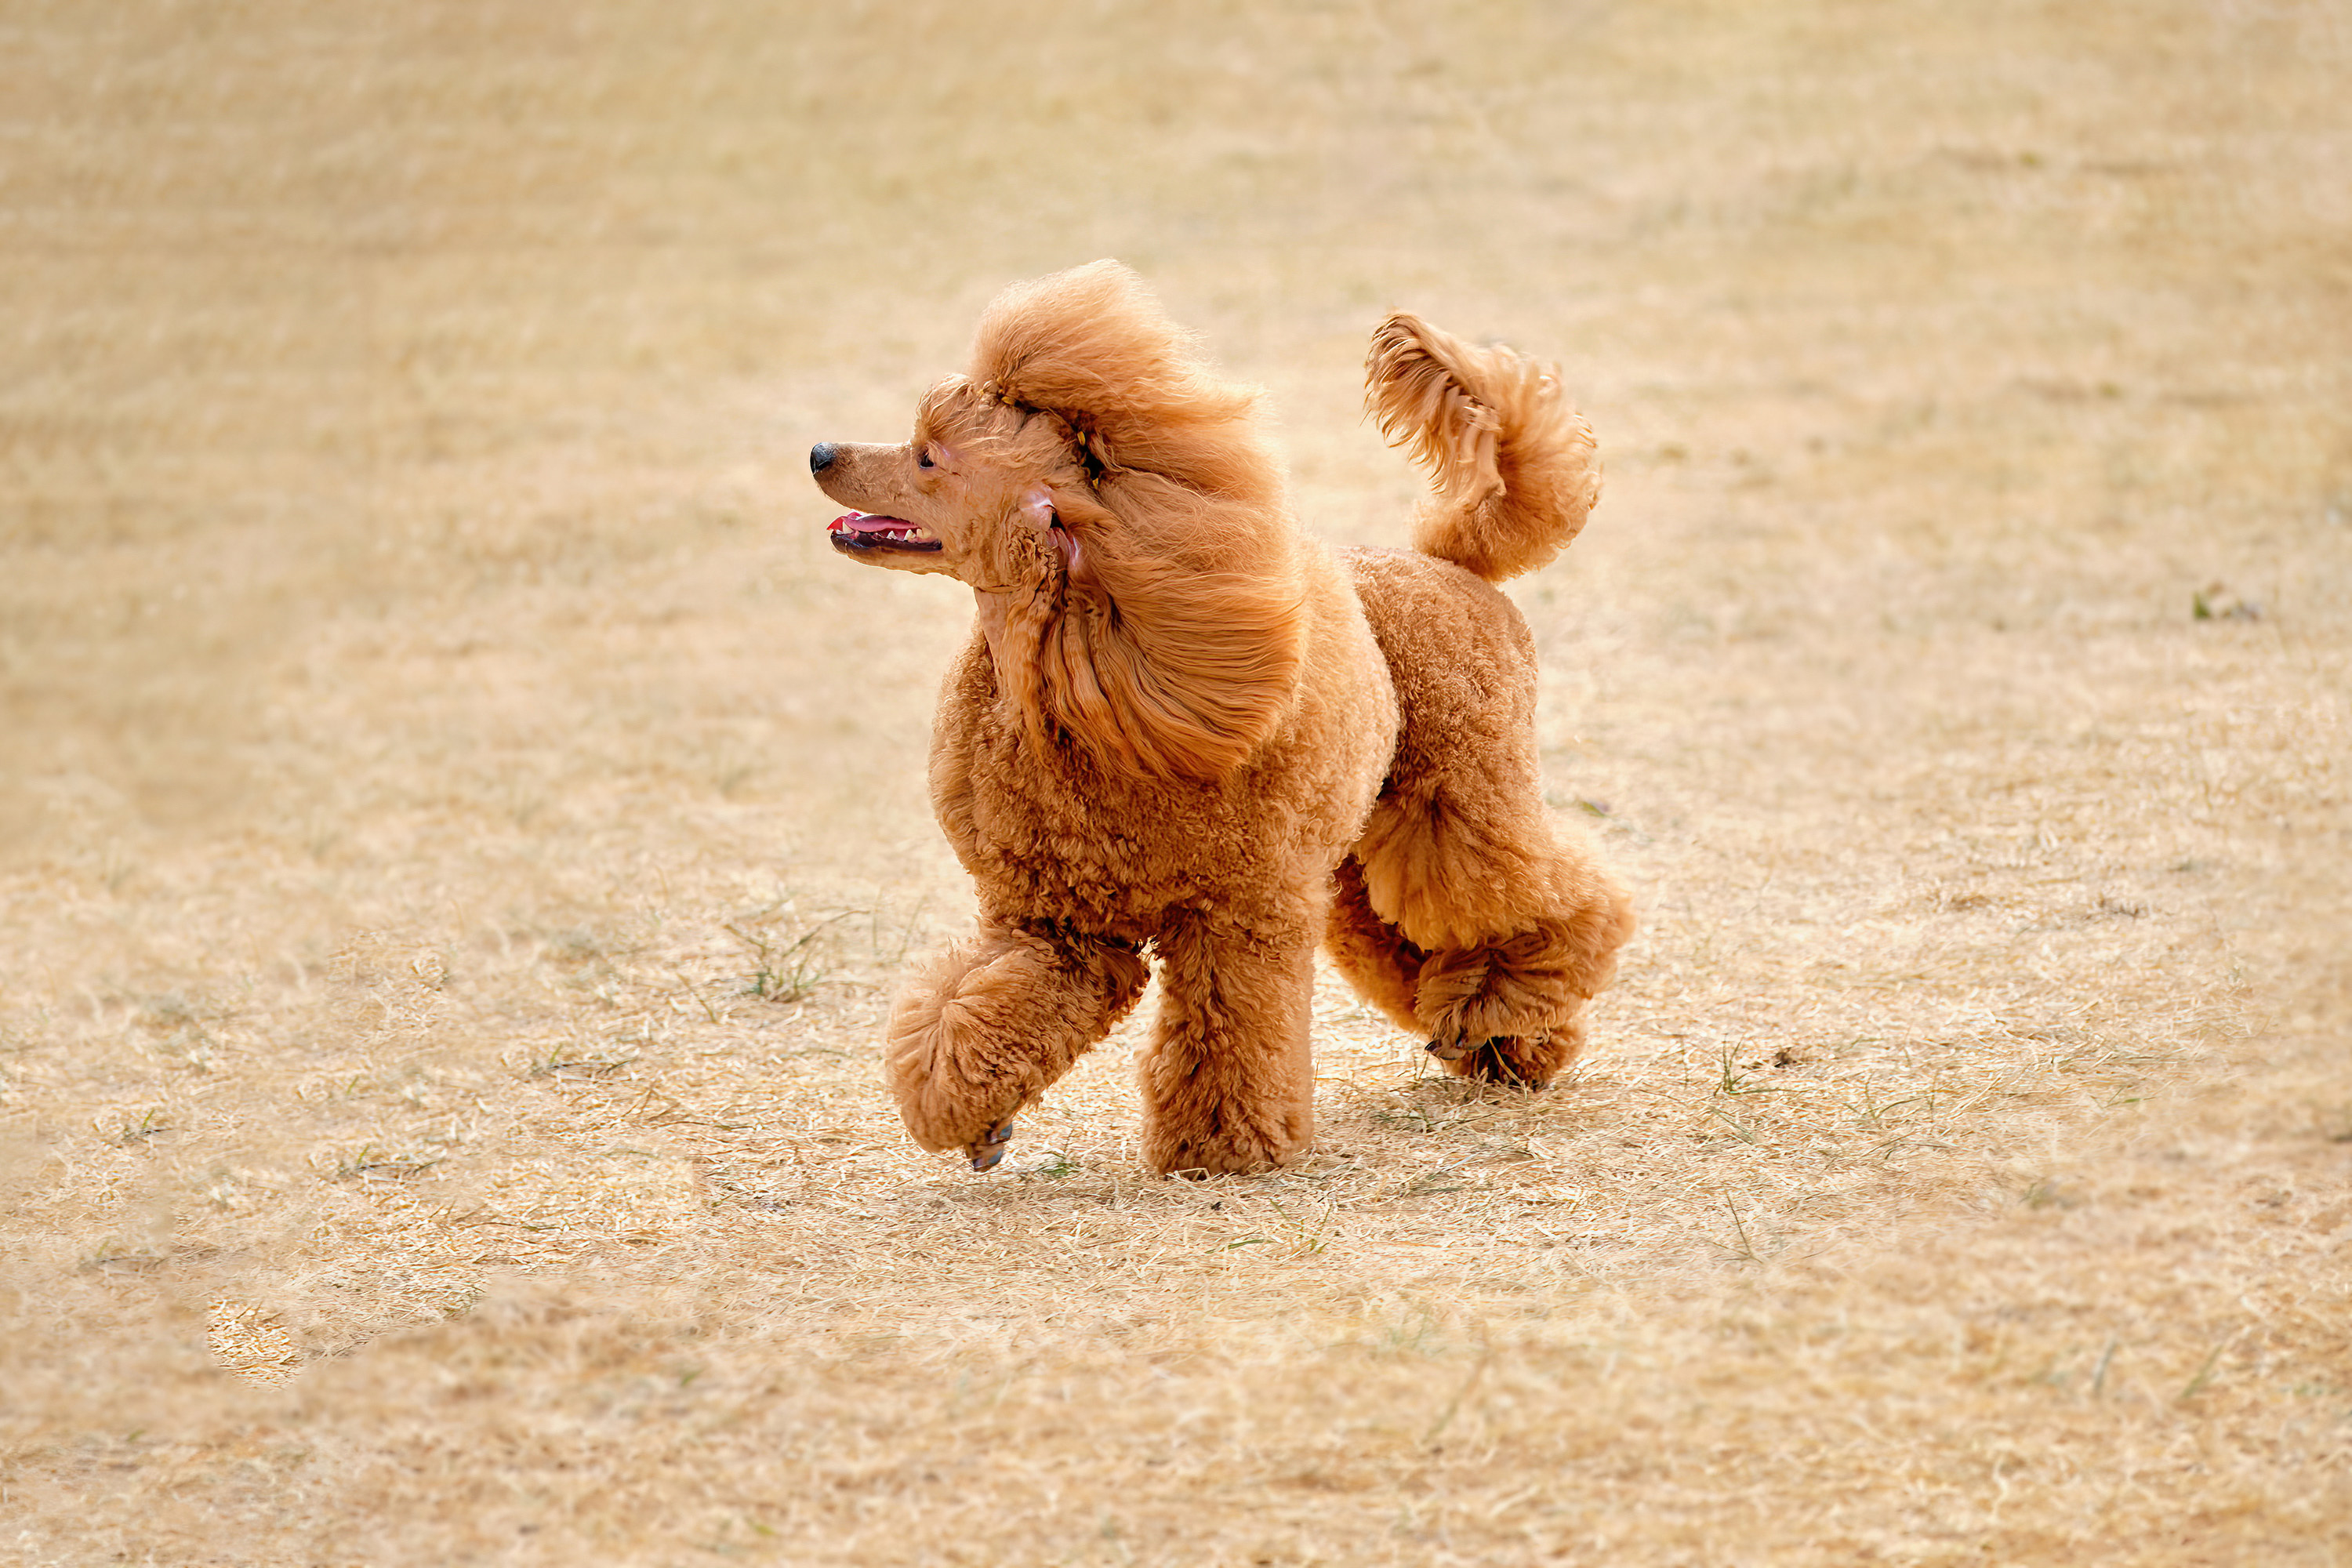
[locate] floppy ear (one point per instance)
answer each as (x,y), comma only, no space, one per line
(1168,654)
(1042,512)
(1176,647)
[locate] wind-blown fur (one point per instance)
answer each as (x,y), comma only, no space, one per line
(1176,641)
(1184,733)
(1514,467)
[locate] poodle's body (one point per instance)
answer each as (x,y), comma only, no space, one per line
(1183,728)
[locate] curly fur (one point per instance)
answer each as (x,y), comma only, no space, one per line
(1184,731)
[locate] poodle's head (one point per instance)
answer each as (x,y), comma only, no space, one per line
(978,494)
(1120,514)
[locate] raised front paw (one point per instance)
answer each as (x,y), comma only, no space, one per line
(986,1150)
(943,1113)
(990,1025)
(944,1109)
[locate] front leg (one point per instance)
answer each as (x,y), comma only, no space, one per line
(1229,1085)
(997,1018)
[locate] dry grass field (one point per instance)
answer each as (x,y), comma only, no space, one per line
(458,824)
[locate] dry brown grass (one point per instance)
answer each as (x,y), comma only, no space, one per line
(432,723)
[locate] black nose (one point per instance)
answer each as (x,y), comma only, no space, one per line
(821,457)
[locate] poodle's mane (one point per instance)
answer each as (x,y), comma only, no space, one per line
(1173,647)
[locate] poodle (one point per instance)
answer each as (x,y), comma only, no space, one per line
(1185,734)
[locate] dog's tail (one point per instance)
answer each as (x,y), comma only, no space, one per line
(1514,467)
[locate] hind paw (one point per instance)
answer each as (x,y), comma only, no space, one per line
(1505,1059)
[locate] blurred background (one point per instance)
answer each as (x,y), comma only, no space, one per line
(345,346)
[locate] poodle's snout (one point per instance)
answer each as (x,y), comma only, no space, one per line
(821,457)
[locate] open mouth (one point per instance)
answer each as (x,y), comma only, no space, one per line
(860,532)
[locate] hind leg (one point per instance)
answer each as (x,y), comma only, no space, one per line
(1386,971)
(1383,967)
(1510,947)
(1511,1010)
(996,1019)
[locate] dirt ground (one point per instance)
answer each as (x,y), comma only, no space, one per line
(458,824)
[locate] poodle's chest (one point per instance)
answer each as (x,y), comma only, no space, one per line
(1111,861)
(1051,837)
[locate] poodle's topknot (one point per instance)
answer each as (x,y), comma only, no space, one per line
(1092,346)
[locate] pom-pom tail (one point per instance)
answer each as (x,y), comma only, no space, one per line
(1513,469)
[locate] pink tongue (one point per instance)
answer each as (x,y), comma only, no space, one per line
(860,522)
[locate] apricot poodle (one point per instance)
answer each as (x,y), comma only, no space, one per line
(1184,733)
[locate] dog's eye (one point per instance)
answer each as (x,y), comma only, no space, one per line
(923,458)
